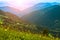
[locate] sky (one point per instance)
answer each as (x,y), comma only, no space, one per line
(23,4)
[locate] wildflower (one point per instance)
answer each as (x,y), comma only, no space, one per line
(5,29)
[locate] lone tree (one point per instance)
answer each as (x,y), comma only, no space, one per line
(45,32)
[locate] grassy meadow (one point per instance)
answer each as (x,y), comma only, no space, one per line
(6,34)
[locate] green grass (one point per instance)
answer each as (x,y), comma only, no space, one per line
(6,34)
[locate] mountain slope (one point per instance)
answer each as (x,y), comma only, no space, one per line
(48,17)
(11,21)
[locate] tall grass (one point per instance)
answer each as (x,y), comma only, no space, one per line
(6,34)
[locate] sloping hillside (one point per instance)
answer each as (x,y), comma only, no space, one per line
(48,17)
(11,21)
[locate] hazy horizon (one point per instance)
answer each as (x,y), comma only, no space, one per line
(23,4)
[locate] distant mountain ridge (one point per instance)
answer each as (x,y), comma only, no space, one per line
(10,9)
(38,7)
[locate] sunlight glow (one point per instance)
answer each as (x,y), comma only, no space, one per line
(23,4)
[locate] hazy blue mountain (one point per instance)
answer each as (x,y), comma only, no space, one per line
(37,7)
(10,9)
(47,17)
